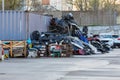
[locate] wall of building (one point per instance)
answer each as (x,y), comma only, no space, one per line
(45,2)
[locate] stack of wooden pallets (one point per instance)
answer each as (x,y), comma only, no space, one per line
(13,46)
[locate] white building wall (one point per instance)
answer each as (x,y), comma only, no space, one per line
(61,5)
(56,3)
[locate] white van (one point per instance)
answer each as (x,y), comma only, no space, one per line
(106,38)
(116,39)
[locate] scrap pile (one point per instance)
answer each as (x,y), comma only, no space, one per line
(60,40)
(50,44)
(63,39)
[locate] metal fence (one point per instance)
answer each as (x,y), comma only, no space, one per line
(38,22)
(99,18)
(102,18)
(17,25)
(12,25)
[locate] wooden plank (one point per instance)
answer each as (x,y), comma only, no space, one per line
(11,49)
(14,44)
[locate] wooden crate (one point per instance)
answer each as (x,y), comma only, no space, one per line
(14,44)
(66,50)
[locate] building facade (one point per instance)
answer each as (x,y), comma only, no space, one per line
(60,5)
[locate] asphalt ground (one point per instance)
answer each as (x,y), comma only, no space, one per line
(83,67)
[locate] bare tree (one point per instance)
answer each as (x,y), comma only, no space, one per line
(0,4)
(36,5)
(108,4)
(81,4)
(11,4)
(94,5)
(85,5)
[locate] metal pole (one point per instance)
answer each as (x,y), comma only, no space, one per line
(2,20)
(3,14)
(3,6)
(24,5)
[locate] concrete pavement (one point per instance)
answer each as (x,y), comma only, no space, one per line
(110,71)
(91,67)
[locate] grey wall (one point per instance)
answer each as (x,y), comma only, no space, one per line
(90,17)
(17,25)
(38,22)
(94,18)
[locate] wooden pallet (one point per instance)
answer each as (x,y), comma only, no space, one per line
(65,50)
(14,44)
